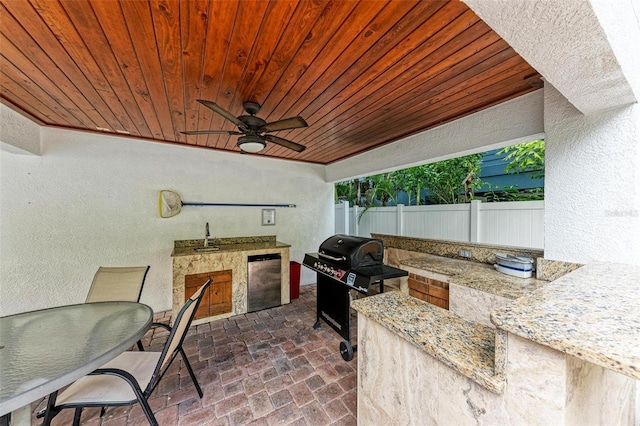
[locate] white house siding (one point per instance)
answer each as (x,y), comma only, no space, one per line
(92,200)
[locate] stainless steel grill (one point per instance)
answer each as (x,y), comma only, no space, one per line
(345,263)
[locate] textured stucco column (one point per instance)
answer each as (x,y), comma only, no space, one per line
(587,53)
(592,183)
(18,134)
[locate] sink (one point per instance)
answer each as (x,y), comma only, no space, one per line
(201,249)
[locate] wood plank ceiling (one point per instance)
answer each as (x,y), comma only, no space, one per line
(361,73)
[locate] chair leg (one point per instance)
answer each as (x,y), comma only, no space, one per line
(51,411)
(140,347)
(76,416)
(102,411)
(144,404)
(193,376)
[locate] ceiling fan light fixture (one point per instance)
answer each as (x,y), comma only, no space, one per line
(251,144)
(256,131)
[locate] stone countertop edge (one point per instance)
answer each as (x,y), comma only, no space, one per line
(482,253)
(478,276)
(226,245)
(465,346)
(592,313)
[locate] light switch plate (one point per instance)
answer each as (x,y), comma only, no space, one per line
(268,217)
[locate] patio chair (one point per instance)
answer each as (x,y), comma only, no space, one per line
(118,284)
(115,284)
(132,376)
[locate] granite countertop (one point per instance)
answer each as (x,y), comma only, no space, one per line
(479,276)
(465,346)
(592,313)
(227,245)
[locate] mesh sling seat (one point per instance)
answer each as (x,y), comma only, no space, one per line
(115,284)
(132,376)
(118,284)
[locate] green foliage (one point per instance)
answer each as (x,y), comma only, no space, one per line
(512,193)
(447,182)
(525,157)
(347,191)
(412,181)
(381,188)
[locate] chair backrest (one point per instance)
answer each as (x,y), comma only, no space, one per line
(179,330)
(117,284)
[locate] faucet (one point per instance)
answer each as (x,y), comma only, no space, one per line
(206,237)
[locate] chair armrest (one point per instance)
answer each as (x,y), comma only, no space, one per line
(159,324)
(125,375)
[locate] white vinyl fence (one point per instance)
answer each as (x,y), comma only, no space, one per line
(517,223)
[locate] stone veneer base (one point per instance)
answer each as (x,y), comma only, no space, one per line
(398,383)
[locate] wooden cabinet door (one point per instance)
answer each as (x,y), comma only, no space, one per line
(220,293)
(430,290)
(217,300)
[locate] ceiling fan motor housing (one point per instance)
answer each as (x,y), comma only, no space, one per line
(252,122)
(251,107)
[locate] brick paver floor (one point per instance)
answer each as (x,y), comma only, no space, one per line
(263,368)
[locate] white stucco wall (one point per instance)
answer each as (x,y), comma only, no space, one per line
(592,183)
(92,200)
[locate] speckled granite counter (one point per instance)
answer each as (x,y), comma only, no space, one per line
(187,247)
(592,313)
(478,276)
(483,253)
(467,347)
(546,269)
(231,254)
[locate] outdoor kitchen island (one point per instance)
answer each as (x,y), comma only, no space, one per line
(566,353)
(226,262)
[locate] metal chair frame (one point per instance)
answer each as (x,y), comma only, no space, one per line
(141,396)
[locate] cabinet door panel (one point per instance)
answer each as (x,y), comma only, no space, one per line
(217,300)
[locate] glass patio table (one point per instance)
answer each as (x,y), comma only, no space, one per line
(43,351)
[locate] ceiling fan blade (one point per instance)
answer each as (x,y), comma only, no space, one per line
(223,112)
(286,143)
(212,132)
(285,124)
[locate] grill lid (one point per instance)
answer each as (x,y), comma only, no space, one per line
(351,251)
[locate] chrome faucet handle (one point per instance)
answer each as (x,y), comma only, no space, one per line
(206,237)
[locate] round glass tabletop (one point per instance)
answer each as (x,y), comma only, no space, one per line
(42,351)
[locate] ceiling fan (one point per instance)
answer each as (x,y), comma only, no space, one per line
(254,130)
